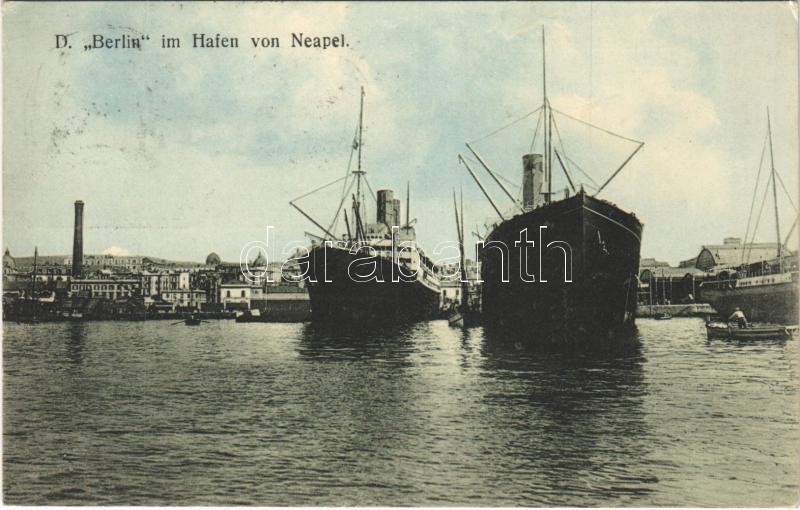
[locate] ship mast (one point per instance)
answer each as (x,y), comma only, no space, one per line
(33,276)
(352,178)
(547,124)
(462,270)
(408,204)
(464,281)
(775,195)
(359,172)
(547,118)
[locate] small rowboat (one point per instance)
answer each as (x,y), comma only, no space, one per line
(751,332)
(463,318)
(190,321)
(455,320)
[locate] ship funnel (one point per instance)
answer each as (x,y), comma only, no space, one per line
(533,194)
(386,207)
(396,211)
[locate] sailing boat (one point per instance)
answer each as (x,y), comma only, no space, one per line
(765,291)
(29,308)
(465,314)
(374,272)
(586,284)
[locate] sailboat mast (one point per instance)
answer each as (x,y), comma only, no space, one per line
(462,270)
(775,195)
(547,124)
(33,277)
(461,227)
(464,276)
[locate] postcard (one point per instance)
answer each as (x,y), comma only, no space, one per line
(400,254)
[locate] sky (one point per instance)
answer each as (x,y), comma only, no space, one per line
(181,152)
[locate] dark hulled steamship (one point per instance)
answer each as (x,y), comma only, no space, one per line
(584,258)
(374,272)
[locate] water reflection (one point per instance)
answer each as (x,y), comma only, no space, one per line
(622,343)
(364,396)
(746,342)
(425,415)
(76,338)
(389,343)
(569,403)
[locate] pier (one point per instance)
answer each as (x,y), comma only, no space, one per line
(688,310)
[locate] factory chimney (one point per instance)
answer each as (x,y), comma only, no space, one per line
(77,241)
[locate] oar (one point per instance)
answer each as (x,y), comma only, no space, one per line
(179,322)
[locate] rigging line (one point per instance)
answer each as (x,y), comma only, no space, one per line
(536,131)
(506,126)
(510,182)
(480,185)
(758,219)
(596,127)
(755,193)
(335,221)
(558,157)
(506,179)
(341,203)
(486,167)
(791,230)
(581,170)
(618,170)
(564,152)
(560,140)
(318,189)
(350,161)
(369,186)
(312,220)
(458,221)
(775,196)
(789,196)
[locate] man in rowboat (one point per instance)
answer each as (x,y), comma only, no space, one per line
(738,316)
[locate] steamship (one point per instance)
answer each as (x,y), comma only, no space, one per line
(373,272)
(765,291)
(580,281)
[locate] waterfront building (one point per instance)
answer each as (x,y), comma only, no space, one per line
(184,299)
(660,283)
(237,295)
(48,268)
(664,284)
(732,253)
(133,263)
(451,288)
(289,301)
(104,288)
(112,285)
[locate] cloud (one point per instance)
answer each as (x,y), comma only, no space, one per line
(203,148)
(116,251)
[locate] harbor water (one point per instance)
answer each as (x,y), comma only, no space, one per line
(129,413)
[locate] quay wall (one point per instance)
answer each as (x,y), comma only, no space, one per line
(691,310)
